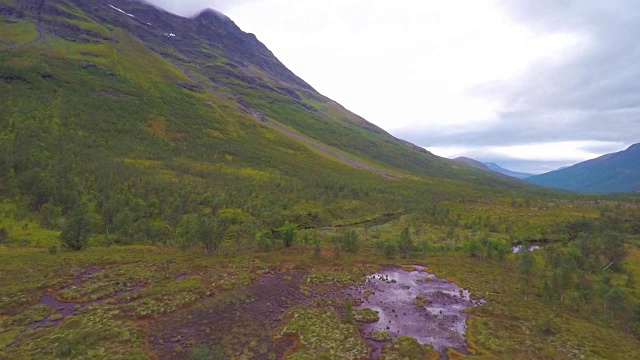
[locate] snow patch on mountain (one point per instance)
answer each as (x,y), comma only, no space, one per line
(124,12)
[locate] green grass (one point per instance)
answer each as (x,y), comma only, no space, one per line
(406,348)
(26,231)
(18,32)
(321,335)
(365,315)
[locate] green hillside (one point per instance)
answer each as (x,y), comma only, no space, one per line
(611,173)
(100,107)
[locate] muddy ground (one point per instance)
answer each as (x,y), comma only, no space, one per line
(248,319)
(413,302)
(244,319)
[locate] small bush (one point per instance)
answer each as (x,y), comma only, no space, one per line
(350,241)
(405,244)
(546,327)
(389,249)
(348,312)
(264,240)
(380,336)
(471,247)
(288,232)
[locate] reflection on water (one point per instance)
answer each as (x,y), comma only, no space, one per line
(417,304)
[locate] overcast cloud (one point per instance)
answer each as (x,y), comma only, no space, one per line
(192,7)
(530,84)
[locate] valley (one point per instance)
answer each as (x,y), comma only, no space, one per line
(170,190)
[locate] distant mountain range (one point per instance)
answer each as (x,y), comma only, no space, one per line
(497,168)
(617,172)
(491,167)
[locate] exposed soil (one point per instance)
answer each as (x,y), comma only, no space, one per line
(244,319)
(417,304)
(241,320)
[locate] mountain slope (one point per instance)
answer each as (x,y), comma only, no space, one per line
(497,168)
(617,172)
(149,116)
(473,163)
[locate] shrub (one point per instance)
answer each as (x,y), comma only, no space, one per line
(389,250)
(471,247)
(546,327)
(288,232)
(496,249)
(348,312)
(50,215)
(264,240)
(77,229)
(405,245)
(350,241)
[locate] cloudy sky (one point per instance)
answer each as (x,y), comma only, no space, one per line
(530,84)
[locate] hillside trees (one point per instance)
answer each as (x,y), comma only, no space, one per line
(405,244)
(206,230)
(612,251)
(588,271)
(350,241)
(526,267)
(264,239)
(487,247)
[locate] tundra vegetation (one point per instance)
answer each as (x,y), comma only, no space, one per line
(576,295)
(142,216)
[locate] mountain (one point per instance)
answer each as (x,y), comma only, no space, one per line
(148,116)
(473,163)
(610,173)
(491,167)
(497,168)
